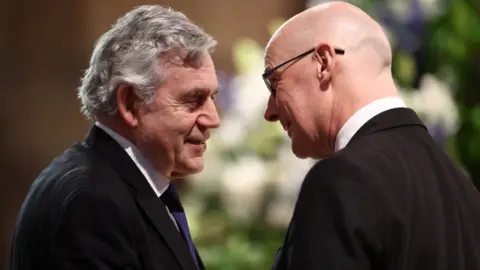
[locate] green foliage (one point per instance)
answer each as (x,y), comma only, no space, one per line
(404,67)
(226,244)
(264,140)
(455,43)
(243,249)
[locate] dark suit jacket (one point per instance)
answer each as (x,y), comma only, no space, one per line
(390,200)
(93,209)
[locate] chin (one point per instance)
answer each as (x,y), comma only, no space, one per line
(301,156)
(300,153)
(188,167)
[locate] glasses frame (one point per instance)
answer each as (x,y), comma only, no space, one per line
(269,72)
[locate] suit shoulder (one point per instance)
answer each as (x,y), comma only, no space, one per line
(43,226)
(79,170)
(80,178)
(341,176)
(342,165)
(328,173)
(79,167)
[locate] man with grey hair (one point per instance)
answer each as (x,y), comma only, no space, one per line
(109,202)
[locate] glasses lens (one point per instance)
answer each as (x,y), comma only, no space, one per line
(269,86)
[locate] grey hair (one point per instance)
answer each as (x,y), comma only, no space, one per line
(130,53)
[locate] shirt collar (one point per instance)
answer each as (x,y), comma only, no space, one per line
(362,116)
(157,181)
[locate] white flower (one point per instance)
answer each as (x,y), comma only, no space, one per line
(242,184)
(407,96)
(432,8)
(250,93)
(279,214)
(291,173)
(207,181)
(435,104)
(232,130)
(400,8)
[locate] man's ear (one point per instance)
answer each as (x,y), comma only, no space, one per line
(127,104)
(325,56)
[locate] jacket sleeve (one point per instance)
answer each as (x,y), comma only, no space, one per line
(92,233)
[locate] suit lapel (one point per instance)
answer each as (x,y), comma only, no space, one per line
(281,257)
(157,213)
(390,119)
(278,259)
(152,206)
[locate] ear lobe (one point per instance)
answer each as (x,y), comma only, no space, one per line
(126,99)
(325,55)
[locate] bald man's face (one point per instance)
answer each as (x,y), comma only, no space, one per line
(317,93)
(300,104)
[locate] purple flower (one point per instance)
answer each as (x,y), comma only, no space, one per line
(408,31)
(225,95)
(438,134)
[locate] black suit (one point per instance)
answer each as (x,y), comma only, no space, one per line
(391,199)
(93,209)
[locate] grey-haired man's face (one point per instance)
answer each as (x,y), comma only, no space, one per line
(174,132)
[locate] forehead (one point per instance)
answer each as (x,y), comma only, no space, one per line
(271,53)
(277,51)
(284,38)
(200,74)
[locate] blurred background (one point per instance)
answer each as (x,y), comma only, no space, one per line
(240,205)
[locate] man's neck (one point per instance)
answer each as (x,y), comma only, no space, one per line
(118,127)
(157,180)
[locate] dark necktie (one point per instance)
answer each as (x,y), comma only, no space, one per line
(171,200)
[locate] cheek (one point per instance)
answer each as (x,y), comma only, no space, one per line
(290,106)
(298,113)
(162,127)
(185,123)
(179,121)
(149,125)
(285,104)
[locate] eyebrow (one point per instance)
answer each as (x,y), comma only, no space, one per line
(267,67)
(199,92)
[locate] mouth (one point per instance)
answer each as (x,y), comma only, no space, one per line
(196,141)
(199,145)
(286,127)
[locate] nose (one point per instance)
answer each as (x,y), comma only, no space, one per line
(209,118)
(271,113)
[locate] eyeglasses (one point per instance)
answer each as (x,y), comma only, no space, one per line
(298,57)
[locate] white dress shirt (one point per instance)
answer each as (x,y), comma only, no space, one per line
(156,180)
(362,116)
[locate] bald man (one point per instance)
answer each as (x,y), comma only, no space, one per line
(384,195)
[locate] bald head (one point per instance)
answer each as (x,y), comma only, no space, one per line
(339,24)
(323,65)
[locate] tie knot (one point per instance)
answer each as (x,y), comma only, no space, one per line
(171,200)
